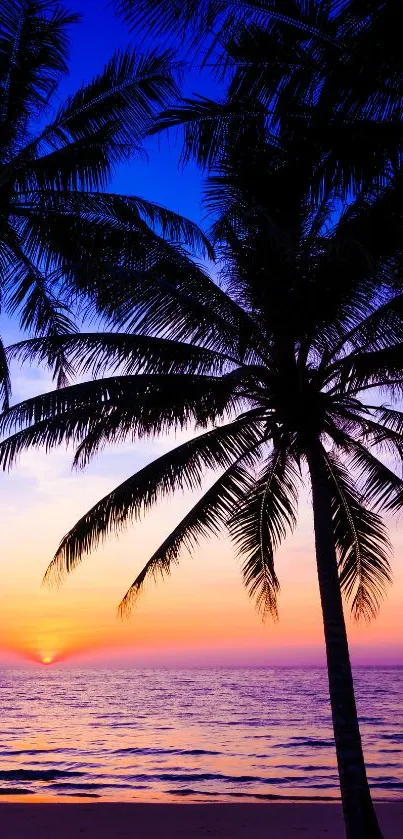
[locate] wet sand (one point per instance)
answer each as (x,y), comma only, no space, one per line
(184,821)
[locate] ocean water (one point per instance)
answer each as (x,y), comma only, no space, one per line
(165,735)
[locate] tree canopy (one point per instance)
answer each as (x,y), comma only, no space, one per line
(61,233)
(291,345)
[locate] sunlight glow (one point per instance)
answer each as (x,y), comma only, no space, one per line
(46,660)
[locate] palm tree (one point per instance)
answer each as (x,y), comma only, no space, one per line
(302,39)
(278,365)
(58,226)
(326,71)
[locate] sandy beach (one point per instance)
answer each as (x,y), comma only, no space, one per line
(184,821)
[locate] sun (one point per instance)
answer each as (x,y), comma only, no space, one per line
(46,660)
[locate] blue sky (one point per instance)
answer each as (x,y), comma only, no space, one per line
(160,179)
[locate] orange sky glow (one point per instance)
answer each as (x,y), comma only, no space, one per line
(201,615)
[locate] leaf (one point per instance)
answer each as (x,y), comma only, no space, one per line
(182,468)
(115,408)
(380,486)
(97,353)
(33,57)
(5,383)
(362,545)
(209,126)
(101,124)
(262,518)
(207,517)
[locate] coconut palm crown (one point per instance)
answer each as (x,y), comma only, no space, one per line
(353,43)
(288,366)
(326,72)
(60,230)
(344,53)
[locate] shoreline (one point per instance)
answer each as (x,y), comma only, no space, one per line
(188,798)
(110,820)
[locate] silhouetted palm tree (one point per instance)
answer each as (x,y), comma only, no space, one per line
(58,228)
(278,366)
(357,41)
(326,74)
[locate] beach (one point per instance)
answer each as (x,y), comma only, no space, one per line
(184,821)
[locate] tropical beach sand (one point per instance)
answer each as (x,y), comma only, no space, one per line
(184,821)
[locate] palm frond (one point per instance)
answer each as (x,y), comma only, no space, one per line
(135,406)
(99,353)
(172,299)
(34,48)
(380,329)
(127,214)
(170,18)
(391,418)
(5,382)
(30,296)
(379,431)
(362,544)
(208,16)
(115,428)
(372,221)
(182,468)
(360,369)
(208,127)
(379,485)
(98,126)
(208,517)
(170,225)
(264,515)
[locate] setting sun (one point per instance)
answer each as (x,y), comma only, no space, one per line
(47,660)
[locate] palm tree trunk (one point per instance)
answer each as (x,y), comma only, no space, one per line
(359,814)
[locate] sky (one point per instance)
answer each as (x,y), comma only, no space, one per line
(201,615)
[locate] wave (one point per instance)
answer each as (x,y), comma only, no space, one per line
(230,779)
(88,785)
(308,742)
(262,796)
(115,724)
(133,750)
(17,752)
(201,776)
(387,783)
(36,774)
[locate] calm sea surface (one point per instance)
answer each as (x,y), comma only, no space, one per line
(160,735)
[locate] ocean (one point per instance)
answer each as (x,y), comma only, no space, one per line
(199,735)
